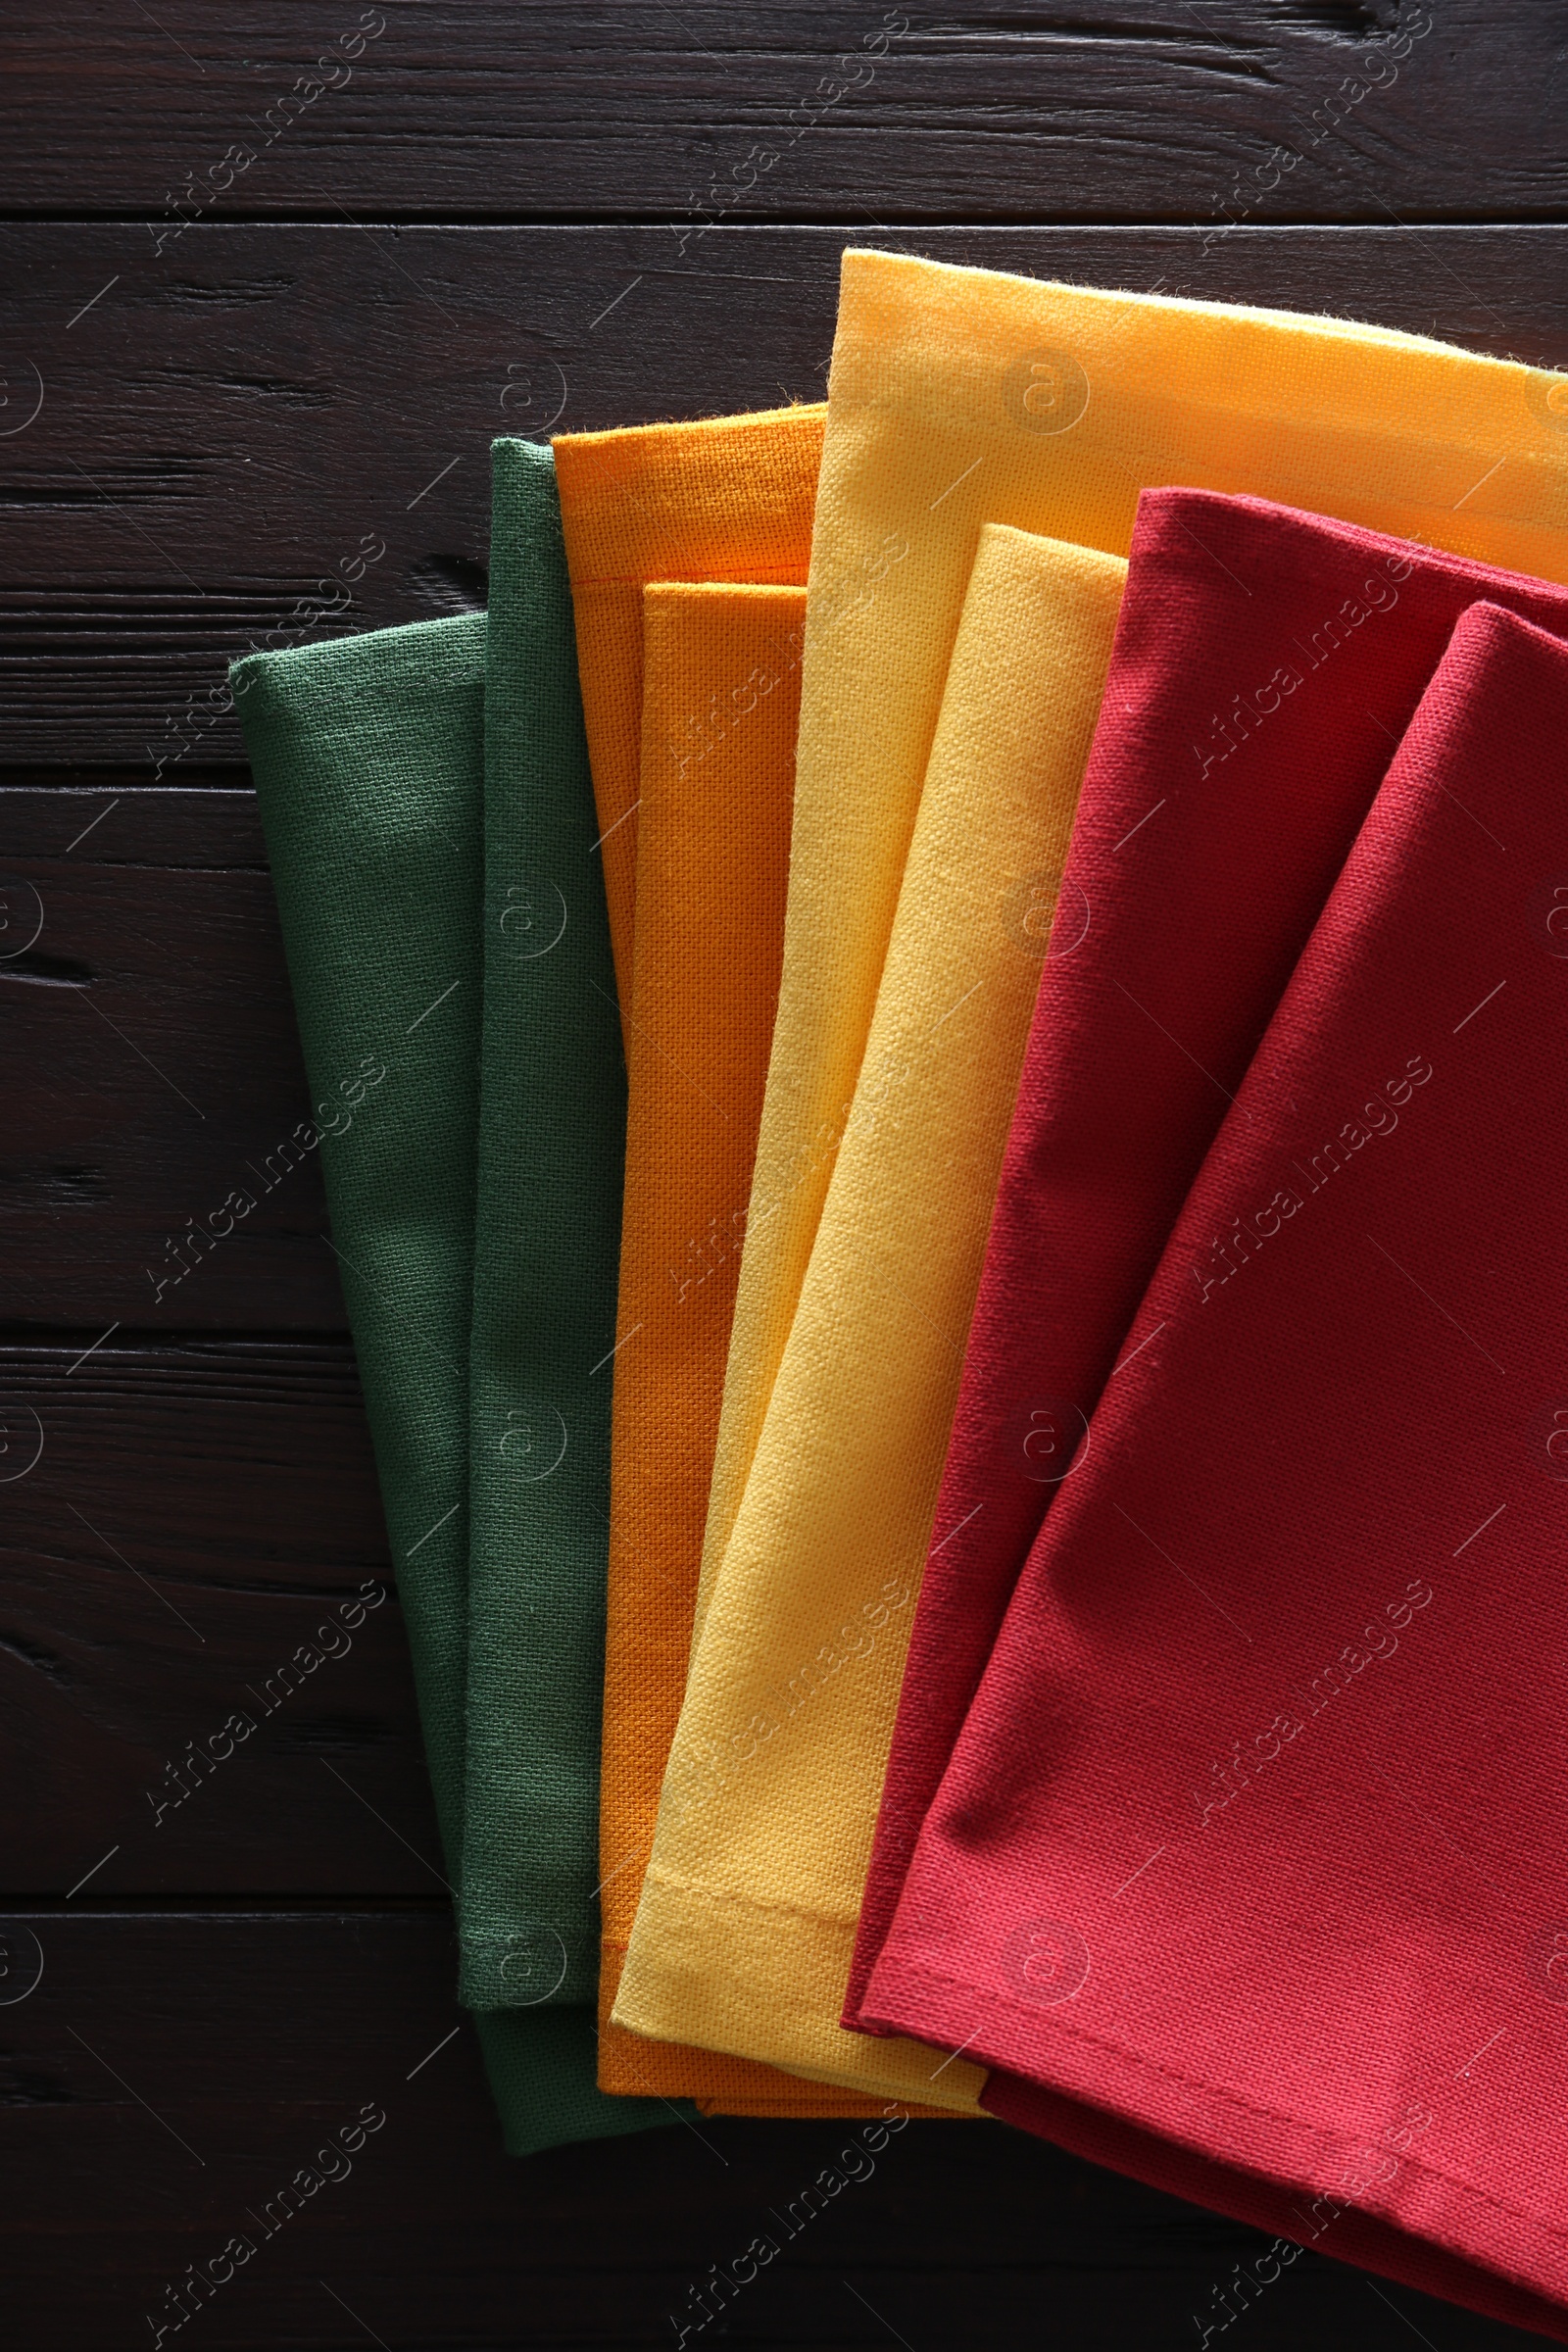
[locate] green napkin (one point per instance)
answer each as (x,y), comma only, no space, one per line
(547,1247)
(368,762)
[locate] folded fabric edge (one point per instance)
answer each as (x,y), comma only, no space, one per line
(727,1962)
(1073,2112)
(665,427)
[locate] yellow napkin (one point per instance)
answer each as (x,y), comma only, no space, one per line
(743,1938)
(959,395)
(727,498)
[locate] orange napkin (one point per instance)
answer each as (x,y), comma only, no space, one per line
(728,497)
(712,874)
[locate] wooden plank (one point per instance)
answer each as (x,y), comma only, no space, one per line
(203,1669)
(302,414)
(171,2073)
(151,1072)
(215,435)
(1106,110)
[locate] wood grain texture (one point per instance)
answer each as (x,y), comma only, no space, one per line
(269,431)
(173,2071)
(193,1558)
(250,402)
(151,1072)
(1101,109)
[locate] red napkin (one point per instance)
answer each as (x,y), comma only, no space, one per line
(1249,1864)
(1265,665)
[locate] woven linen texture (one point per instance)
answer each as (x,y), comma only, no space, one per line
(1248,1869)
(1265,665)
(722,498)
(368,760)
(743,1937)
(959,397)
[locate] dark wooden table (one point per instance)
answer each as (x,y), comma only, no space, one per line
(264,315)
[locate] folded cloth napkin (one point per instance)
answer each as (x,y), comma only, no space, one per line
(547,1241)
(744,1934)
(1265,665)
(713,868)
(369,757)
(959,397)
(1251,1854)
(724,498)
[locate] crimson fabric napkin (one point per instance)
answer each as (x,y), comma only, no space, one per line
(1265,664)
(1249,1864)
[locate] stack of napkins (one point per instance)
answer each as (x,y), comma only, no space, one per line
(955,1260)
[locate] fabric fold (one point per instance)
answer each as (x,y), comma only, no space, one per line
(547,1238)
(720,498)
(369,757)
(743,1935)
(1266,664)
(712,872)
(959,397)
(1248,1869)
